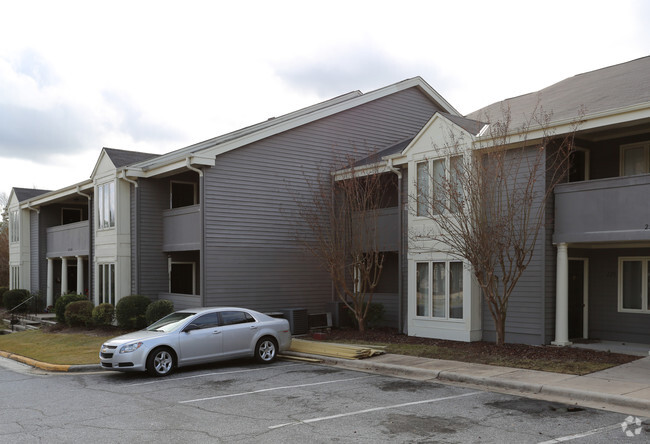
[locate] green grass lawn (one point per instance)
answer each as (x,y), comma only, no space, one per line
(54,348)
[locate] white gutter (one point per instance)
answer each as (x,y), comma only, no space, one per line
(29,207)
(126,179)
(389,165)
(189,165)
(87,196)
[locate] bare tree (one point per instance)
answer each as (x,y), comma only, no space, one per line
(4,242)
(341,215)
(489,201)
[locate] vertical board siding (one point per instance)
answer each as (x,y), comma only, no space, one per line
(525,315)
(252,257)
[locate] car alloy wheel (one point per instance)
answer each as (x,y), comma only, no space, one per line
(160,362)
(265,350)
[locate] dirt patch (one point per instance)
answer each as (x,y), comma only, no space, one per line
(544,357)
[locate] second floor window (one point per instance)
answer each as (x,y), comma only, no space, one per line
(14,227)
(106,205)
(439,185)
(635,159)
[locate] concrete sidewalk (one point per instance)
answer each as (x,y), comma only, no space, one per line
(625,388)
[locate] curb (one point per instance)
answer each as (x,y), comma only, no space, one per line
(450,376)
(47,366)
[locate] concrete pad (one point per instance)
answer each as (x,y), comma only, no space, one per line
(537,377)
(598,385)
(640,394)
(482,370)
(636,371)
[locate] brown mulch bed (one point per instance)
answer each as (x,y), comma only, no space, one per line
(474,351)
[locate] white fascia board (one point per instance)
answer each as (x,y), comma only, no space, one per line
(58,194)
(179,163)
(366,170)
(591,121)
(400,159)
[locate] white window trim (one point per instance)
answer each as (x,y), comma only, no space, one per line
(430,316)
(14,226)
(14,279)
(429,161)
(100,193)
(645,264)
(646,155)
(102,269)
(79,210)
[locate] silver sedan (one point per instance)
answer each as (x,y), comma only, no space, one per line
(197,336)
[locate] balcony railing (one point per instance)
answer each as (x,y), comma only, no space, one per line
(182,228)
(605,210)
(68,240)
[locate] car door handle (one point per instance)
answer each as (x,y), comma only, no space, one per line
(216,332)
(253,327)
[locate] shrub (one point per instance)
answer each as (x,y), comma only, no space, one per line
(63,301)
(158,310)
(79,314)
(103,314)
(130,311)
(3,290)
(13,298)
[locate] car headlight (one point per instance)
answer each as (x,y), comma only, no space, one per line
(128,348)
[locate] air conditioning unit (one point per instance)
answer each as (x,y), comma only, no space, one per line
(298,320)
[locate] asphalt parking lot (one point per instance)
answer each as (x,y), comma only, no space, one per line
(284,402)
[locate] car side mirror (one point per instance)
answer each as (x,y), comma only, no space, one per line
(190,327)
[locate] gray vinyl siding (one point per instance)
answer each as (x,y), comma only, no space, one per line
(605,321)
(152,264)
(251,254)
(34,251)
(134,239)
(525,315)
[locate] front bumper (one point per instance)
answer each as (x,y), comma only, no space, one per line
(111,359)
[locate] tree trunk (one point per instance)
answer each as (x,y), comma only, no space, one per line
(500,325)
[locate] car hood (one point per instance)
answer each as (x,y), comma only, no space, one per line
(141,335)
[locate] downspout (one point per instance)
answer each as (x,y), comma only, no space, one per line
(38,277)
(136,265)
(90,243)
(202,267)
(392,168)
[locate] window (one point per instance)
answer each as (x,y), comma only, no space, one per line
(14,226)
(633,283)
(439,289)
(235,317)
(437,180)
(182,278)
(14,282)
(182,194)
(209,320)
(106,283)
(70,215)
(106,205)
(578,165)
(635,159)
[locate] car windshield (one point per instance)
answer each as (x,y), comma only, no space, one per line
(170,322)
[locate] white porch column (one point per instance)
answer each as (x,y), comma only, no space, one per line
(80,275)
(50,281)
(64,275)
(562,297)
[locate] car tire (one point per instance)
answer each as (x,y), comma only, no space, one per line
(266,350)
(161,361)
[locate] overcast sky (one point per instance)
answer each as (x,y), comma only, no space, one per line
(155,76)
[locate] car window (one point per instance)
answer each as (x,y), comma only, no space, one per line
(208,320)
(235,317)
(170,322)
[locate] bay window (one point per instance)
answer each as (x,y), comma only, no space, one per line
(106,205)
(439,289)
(439,185)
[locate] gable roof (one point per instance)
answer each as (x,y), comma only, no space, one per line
(277,125)
(122,158)
(23,194)
(607,89)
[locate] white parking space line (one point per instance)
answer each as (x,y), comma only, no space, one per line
(276,388)
(375,409)
(583,434)
(203,375)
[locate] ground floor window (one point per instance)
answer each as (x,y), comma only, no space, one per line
(14,282)
(182,278)
(106,283)
(439,289)
(633,283)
